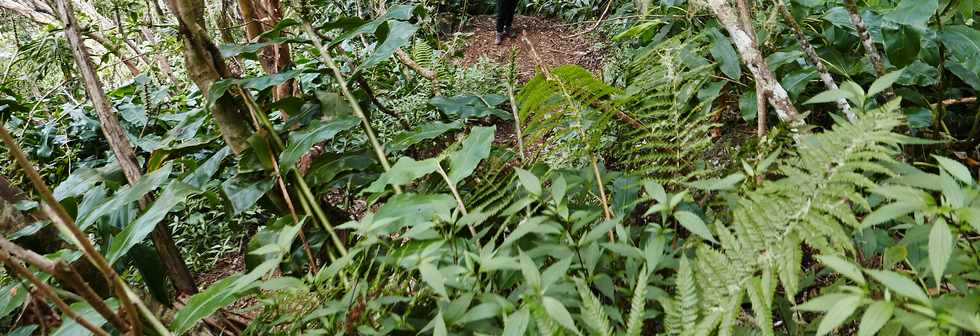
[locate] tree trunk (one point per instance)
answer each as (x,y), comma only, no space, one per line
(260,16)
(205,66)
(775,93)
(123,150)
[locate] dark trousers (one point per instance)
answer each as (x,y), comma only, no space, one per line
(505,14)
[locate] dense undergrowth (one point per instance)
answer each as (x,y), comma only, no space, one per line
(382,187)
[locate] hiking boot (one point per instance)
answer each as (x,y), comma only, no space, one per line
(500,39)
(509,32)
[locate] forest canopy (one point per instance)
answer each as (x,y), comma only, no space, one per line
(599,167)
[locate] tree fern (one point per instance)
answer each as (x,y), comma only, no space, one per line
(660,96)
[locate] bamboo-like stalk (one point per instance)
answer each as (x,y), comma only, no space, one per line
(517,121)
(358,112)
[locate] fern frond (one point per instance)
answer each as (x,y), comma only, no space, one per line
(594,316)
(687,295)
(634,324)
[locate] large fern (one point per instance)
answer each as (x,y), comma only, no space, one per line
(813,203)
(661,96)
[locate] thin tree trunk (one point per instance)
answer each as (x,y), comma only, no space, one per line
(775,93)
(869,45)
(811,53)
(123,150)
(260,16)
(205,66)
(760,93)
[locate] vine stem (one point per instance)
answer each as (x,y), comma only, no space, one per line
(459,200)
(358,112)
(517,121)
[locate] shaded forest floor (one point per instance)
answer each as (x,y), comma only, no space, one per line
(556,44)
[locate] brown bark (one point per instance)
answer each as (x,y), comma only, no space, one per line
(123,150)
(260,16)
(811,54)
(205,66)
(753,59)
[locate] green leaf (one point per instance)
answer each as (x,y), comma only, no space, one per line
(838,314)
(843,267)
(634,324)
(432,276)
(902,45)
(404,140)
(440,326)
(206,170)
(175,193)
(694,224)
(203,304)
(884,82)
(243,191)
(27,330)
(875,317)
(126,195)
(516,323)
(713,184)
(828,96)
(955,168)
(530,271)
(71,328)
(822,303)
(470,106)
(888,212)
(399,33)
(940,249)
(725,54)
(264,82)
(475,148)
(900,285)
(913,12)
(403,172)
(530,182)
(558,313)
(555,272)
(301,141)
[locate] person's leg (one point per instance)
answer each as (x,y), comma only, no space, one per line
(511,8)
(502,6)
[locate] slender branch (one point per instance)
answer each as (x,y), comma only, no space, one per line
(408,61)
(811,54)
(760,91)
(517,121)
(869,45)
(374,100)
(325,55)
(49,293)
(68,276)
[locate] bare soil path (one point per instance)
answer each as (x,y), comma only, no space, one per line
(556,43)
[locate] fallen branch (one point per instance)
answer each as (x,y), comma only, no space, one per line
(775,93)
(597,22)
(811,54)
(408,61)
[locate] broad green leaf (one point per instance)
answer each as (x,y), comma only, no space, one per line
(432,276)
(558,313)
(27,330)
(440,326)
(888,212)
(412,209)
(243,191)
(13,297)
(530,182)
(403,172)
(555,272)
(884,82)
(875,317)
(694,224)
(822,303)
(655,190)
(200,176)
(900,285)
(78,183)
(955,168)
(399,33)
(913,12)
(727,183)
(175,193)
(725,54)
(843,267)
(406,139)
(828,96)
(203,304)
(470,106)
(264,82)
(479,312)
(301,141)
(654,251)
(530,271)
(516,323)
(970,215)
(475,148)
(838,314)
(71,328)
(126,195)
(902,45)
(940,249)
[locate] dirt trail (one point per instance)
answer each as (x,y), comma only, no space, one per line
(555,42)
